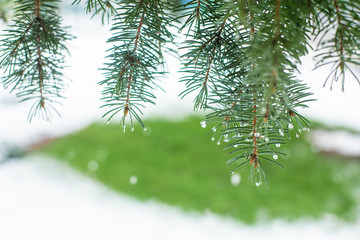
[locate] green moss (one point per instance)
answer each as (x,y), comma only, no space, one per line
(176,163)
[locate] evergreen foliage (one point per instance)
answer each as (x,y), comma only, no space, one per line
(240,58)
(32,54)
(136,58)
(105,8)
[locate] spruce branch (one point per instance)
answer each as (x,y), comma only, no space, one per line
(107,8)
(339,48)
(240,57)
(32,55)
(139,36)
(252,78)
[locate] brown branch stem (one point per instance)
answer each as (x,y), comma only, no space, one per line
(341,53)
(137,37)
(198,10)
(39,60)
(139,30)
(254,156)
(126,107)
(37,10)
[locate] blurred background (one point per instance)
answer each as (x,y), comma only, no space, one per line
(80,178)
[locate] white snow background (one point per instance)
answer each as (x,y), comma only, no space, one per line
(42,199)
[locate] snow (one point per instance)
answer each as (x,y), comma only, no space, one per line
(42,199)
(340,142)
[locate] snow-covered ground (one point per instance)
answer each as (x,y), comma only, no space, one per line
(337,142)
(42,199)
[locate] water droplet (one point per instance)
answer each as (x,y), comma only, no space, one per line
(297,135)
(133,180)
(145,129)
(281,132)
(132,129)
(257,134)
(278,145)
(300,130)
(258,183)
(124,128)
(203,124)
(214,129)
(235,179)
(92,166)
(290,126)
(266,139)
(235,146)
(218,142)
(212,138)
(107,123)
(275,156)
(226,138)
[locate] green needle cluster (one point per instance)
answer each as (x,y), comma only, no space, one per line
(32,55)
(240,57)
